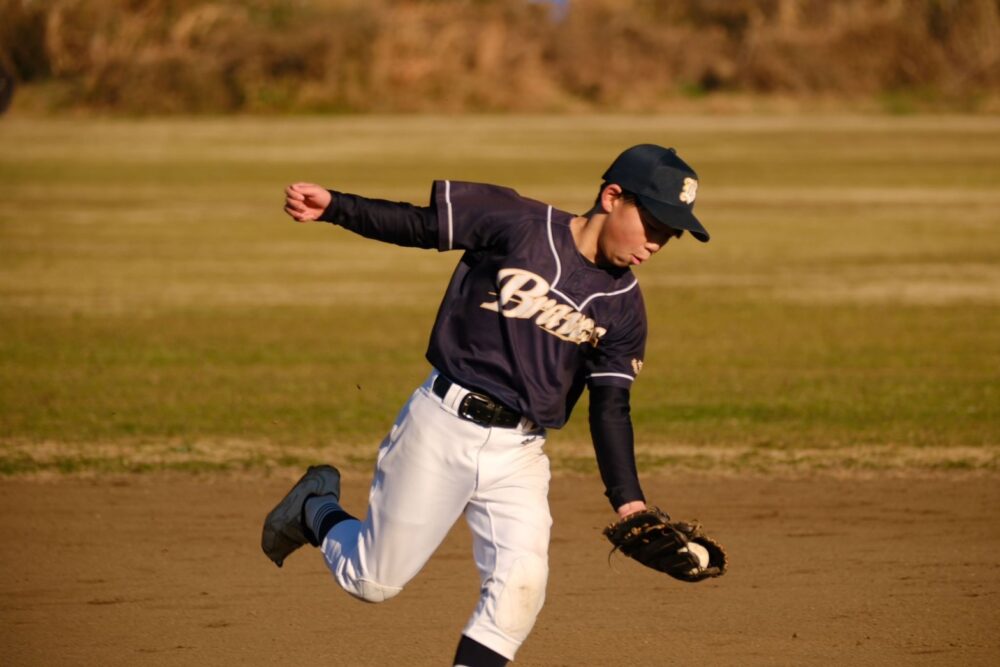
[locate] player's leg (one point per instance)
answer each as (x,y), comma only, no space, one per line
(510,521)
(425,475)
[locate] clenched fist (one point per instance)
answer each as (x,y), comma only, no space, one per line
(306,201)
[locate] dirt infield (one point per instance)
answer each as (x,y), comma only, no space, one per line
(166,569)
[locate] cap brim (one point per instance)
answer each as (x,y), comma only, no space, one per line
(675,217)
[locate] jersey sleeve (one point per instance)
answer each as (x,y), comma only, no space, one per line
(614,444)
(475,216)
(619,354)
(393,222)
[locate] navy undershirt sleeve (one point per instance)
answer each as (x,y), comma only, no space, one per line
(611,430)
(393,222)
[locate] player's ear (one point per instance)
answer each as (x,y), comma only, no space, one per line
(611,193)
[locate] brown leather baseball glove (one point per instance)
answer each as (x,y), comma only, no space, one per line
(650,537)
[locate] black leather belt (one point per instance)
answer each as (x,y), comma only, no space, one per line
(479,408)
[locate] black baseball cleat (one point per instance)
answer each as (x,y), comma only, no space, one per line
(285,529)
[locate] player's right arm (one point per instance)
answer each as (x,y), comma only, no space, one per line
(460,216)
(393,222)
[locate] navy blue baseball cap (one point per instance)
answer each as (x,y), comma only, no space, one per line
(663,184)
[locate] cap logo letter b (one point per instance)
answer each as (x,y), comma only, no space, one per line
(690,190)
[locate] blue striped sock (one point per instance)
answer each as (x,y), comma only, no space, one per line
(321,514)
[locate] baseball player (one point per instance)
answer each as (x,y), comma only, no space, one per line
(542,304)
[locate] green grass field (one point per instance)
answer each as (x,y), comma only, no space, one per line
(157,309)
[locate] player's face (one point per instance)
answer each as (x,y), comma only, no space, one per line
(631,236)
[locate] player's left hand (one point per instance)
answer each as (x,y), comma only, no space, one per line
(631,507)
(306,201)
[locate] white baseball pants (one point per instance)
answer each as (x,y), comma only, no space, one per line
(431,468)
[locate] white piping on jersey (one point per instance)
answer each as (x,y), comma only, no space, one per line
(617,375)
(555,281)
(447,199)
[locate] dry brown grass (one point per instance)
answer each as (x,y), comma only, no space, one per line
(170,56)
(162,302)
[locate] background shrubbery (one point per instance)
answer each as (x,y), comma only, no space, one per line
(166,56)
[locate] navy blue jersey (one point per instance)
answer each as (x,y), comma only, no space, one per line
(526,318)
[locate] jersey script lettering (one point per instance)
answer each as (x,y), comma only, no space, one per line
(524,294)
